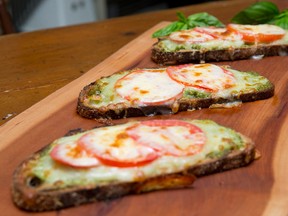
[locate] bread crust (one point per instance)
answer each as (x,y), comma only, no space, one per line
(198,56)
(28,197)
(121,110)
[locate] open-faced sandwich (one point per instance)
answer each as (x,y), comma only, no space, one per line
(233,42)
(131,158)
(145,92)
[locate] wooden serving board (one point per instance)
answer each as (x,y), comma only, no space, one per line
(259,189)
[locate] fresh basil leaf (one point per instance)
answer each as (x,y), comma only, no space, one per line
(281,19)
(199,19)
(258,13)
(184,27)
(175,26)
(181,17)
(203,19)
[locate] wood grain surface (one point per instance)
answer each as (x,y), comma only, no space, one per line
(35,64)
(252,190)
(259,189)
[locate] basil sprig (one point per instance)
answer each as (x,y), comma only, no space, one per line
(260,13)
(183,23)
(281,19)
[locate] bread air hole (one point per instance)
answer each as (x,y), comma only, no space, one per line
(34,181)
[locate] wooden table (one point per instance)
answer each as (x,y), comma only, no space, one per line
(34,65)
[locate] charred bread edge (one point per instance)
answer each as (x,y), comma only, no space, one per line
(121,110)
(30,199)
(186,56)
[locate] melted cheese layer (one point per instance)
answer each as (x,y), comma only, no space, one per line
(148,86)
(217,44)
(220,141)
(246,82)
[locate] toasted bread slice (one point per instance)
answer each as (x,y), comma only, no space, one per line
(162,57)
(44,183)
(233,42)
(101,99)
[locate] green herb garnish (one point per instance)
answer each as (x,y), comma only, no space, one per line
(281,19)
(262,12)
(192,21)
(258,13)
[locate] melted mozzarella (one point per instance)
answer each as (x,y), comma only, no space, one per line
(203,75)
(244,82)
(259,29)
(218,139)
(69,153)
(148,87)
(221,33)
(172,139)
(227,105)
(190,36)
(113,143)
(225,39)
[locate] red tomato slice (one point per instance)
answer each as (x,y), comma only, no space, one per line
(149,87)
(190,36)
(258,33)
(114,147)
(219,33)
(73,155)
(213,31)
(207,77)
(172,137)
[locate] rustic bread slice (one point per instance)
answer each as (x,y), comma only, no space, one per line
(162,57)
(100,99)
(41,183)
(232,42)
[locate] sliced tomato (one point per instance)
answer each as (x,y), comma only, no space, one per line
(116,148)
(258,33)
(73,155)
(207,77)
(172,137)
(149,87)
(190,36)
(219,33)
(213,31)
